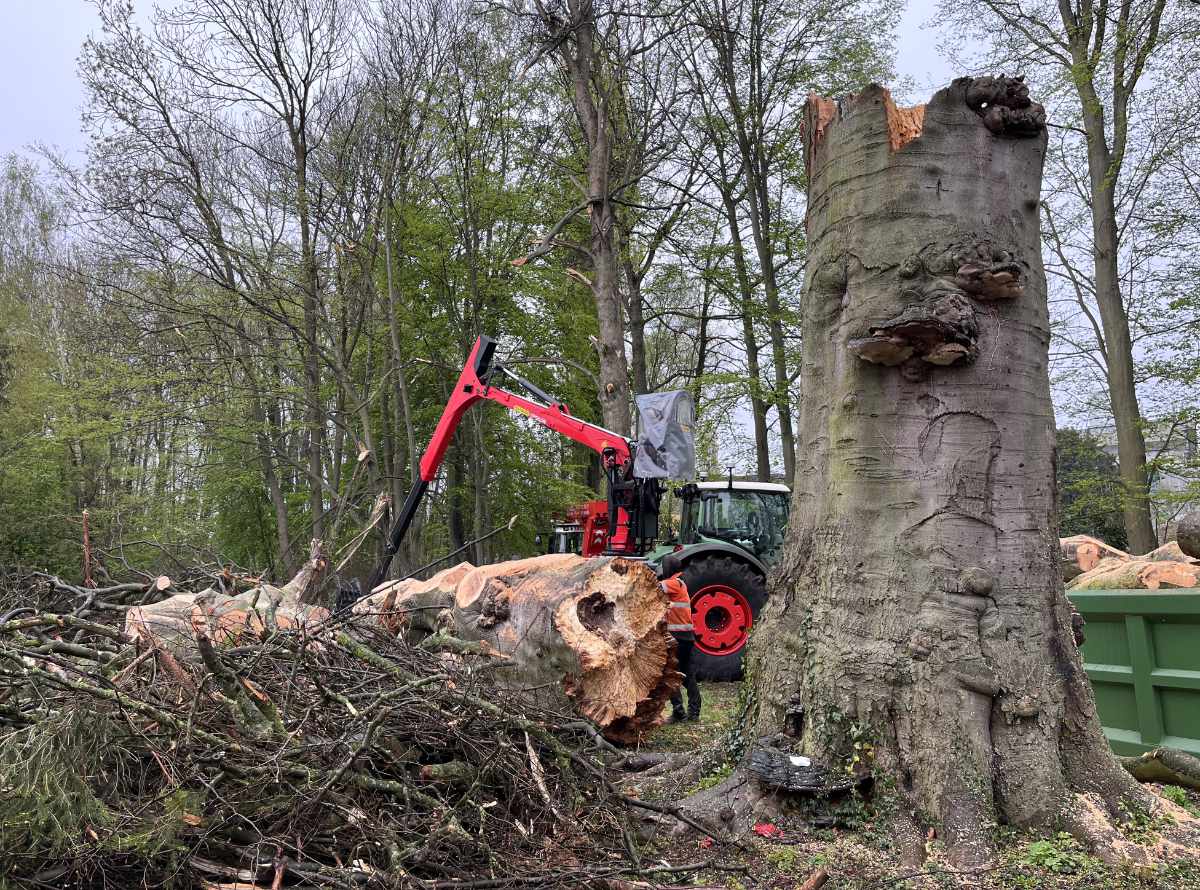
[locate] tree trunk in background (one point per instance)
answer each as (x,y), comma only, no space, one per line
(456,522)
(585,69)
(758,405)
(1118,347)
(614,369)
(637,327)
(762,229)
(918,609)
(1137,37)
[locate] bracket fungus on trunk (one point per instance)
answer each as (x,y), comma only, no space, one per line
(933,320)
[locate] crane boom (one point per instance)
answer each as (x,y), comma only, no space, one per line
(626,496)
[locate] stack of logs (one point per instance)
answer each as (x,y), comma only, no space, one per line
(1090,564)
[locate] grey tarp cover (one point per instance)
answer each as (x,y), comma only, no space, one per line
(666,441)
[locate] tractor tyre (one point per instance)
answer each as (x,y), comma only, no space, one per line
(727,596)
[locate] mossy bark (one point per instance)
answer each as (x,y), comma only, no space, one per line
(919,607)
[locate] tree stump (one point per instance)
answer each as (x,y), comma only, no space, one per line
(918,612)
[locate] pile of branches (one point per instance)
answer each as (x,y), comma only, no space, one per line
(344,759)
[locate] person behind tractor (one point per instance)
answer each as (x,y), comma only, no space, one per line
(679,623)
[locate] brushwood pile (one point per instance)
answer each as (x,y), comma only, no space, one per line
(308,750)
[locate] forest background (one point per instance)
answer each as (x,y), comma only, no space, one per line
(230,314)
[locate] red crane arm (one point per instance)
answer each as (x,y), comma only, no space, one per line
(470,388)
(473,386)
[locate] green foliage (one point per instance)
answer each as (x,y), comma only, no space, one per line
(786,859)
(1060,854)
(1180,797)
(47,807)
(713,778)
(1089,489)
(213,385)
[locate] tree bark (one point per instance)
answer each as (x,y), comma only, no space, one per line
(637,327)
(580,54)
(587,633)
(1189,534)
(917,626)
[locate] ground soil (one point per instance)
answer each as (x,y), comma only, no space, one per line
(850,841)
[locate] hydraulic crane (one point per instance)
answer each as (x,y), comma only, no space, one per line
(633,502)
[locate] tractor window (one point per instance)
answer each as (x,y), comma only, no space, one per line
(567,539)
(754,520)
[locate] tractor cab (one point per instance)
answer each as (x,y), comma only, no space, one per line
(750,515)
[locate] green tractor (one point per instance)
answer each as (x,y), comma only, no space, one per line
(730,534)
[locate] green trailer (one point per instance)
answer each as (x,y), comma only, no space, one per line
(1142,654)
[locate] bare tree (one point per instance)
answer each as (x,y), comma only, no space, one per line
(597,48)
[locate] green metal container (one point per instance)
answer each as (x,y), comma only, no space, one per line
(1142,655)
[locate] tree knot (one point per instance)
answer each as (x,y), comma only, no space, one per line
(940,329)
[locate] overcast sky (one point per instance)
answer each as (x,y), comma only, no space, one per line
(40,95)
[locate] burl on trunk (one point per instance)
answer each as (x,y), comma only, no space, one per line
(919,607)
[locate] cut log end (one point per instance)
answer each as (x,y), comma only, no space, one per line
(591,631)
(627,659)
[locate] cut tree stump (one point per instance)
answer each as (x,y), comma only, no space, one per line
(914,604)
(589,633)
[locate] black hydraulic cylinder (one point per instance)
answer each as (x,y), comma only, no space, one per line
(396,536)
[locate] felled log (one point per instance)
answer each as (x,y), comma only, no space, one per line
(1082,553)
(179,622)
(1169,552)
(1165,765)
(588,633)
(1138,573)
(410,608)
(1188,533)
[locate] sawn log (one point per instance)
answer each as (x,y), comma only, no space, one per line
(584,633)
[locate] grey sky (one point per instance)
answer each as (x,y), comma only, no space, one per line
(40,95)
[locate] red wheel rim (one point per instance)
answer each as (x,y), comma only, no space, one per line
(722,619)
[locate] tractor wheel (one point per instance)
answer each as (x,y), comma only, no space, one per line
(726,598)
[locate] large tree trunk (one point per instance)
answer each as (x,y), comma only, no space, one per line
(919,608)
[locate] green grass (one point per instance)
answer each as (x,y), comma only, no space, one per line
(719,706)
(858,854)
